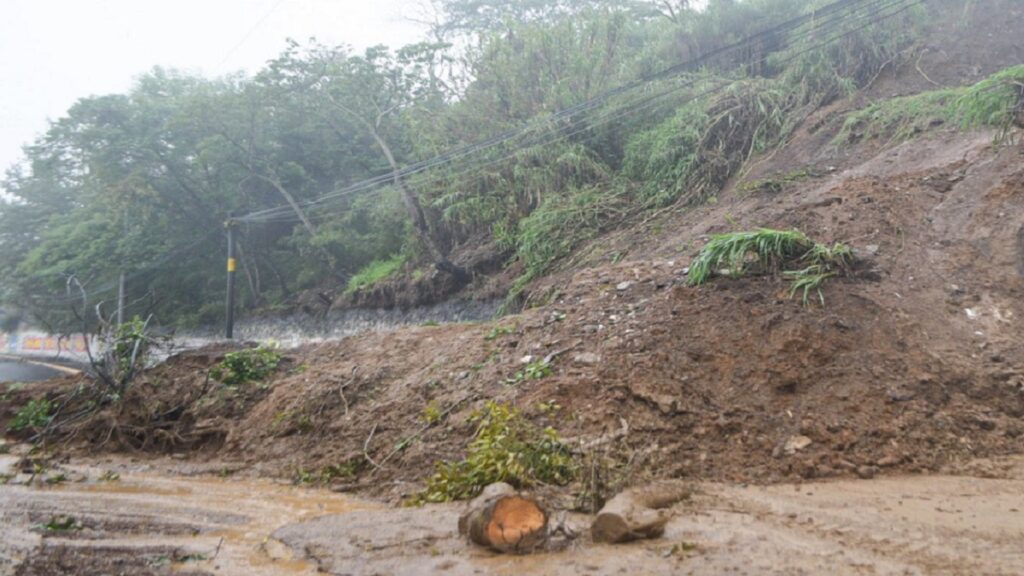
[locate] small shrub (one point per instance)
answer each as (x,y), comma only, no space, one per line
(244,366)
(34,415)
(805,263)
(505,448)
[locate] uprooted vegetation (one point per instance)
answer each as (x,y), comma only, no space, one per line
(805,263)
(505,448)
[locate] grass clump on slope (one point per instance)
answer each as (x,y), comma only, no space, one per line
(996,102)
(805,263)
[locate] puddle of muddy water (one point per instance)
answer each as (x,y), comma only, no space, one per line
(232,520)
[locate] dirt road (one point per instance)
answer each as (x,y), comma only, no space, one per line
(146,522)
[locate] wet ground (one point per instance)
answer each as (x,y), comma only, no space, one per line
(17,371)
(145,522)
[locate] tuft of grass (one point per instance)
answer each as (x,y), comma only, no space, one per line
(245,366)
(375,272)
(505,448)
(740,251)
(805,263)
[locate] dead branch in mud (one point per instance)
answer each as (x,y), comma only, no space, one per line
(366,447)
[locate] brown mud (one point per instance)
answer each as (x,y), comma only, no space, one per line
(155,520)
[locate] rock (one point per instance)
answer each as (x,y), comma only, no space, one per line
(889,461)
(867,472)
(871,249)
(623,286)
(796,444)
(587,358)
(9,465)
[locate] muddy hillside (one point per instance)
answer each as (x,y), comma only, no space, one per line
(910,360)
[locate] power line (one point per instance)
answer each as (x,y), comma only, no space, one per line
(251,31)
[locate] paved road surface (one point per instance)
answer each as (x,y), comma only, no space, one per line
(14,371)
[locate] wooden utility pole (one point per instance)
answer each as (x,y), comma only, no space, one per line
(232,267)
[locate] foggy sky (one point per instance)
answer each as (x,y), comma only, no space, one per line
(53,52)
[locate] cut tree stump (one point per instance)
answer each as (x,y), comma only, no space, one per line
(505,521)
(637,513)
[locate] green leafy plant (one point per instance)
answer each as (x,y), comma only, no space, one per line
(505,448)
(252,365)
(805,263)
(536,370)
(34,415)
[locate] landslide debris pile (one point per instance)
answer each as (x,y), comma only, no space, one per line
(910,361)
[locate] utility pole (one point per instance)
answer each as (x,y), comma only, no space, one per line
(120,281)
(232,265)
(120,299)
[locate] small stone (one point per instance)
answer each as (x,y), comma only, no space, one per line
(796,444)
(867,472)
(871,249)
(587,358)
(889,461)
(623,286)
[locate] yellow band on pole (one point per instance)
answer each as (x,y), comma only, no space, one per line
(232,265)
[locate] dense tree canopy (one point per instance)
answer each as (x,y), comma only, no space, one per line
(324,149)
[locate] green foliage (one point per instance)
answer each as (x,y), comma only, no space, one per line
(499,331)
(739,252)
(805,263)
(505,448)
(244,366)
(34,415)
(61,523)
(997,102)
(432,413)
(561,224)
(375,272)
(535,370)
(135,177)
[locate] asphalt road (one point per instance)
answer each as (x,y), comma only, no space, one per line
(13,371)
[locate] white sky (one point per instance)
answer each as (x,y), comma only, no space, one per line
(53,52)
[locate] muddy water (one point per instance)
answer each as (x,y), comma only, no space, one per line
(170,523)
(166,524)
